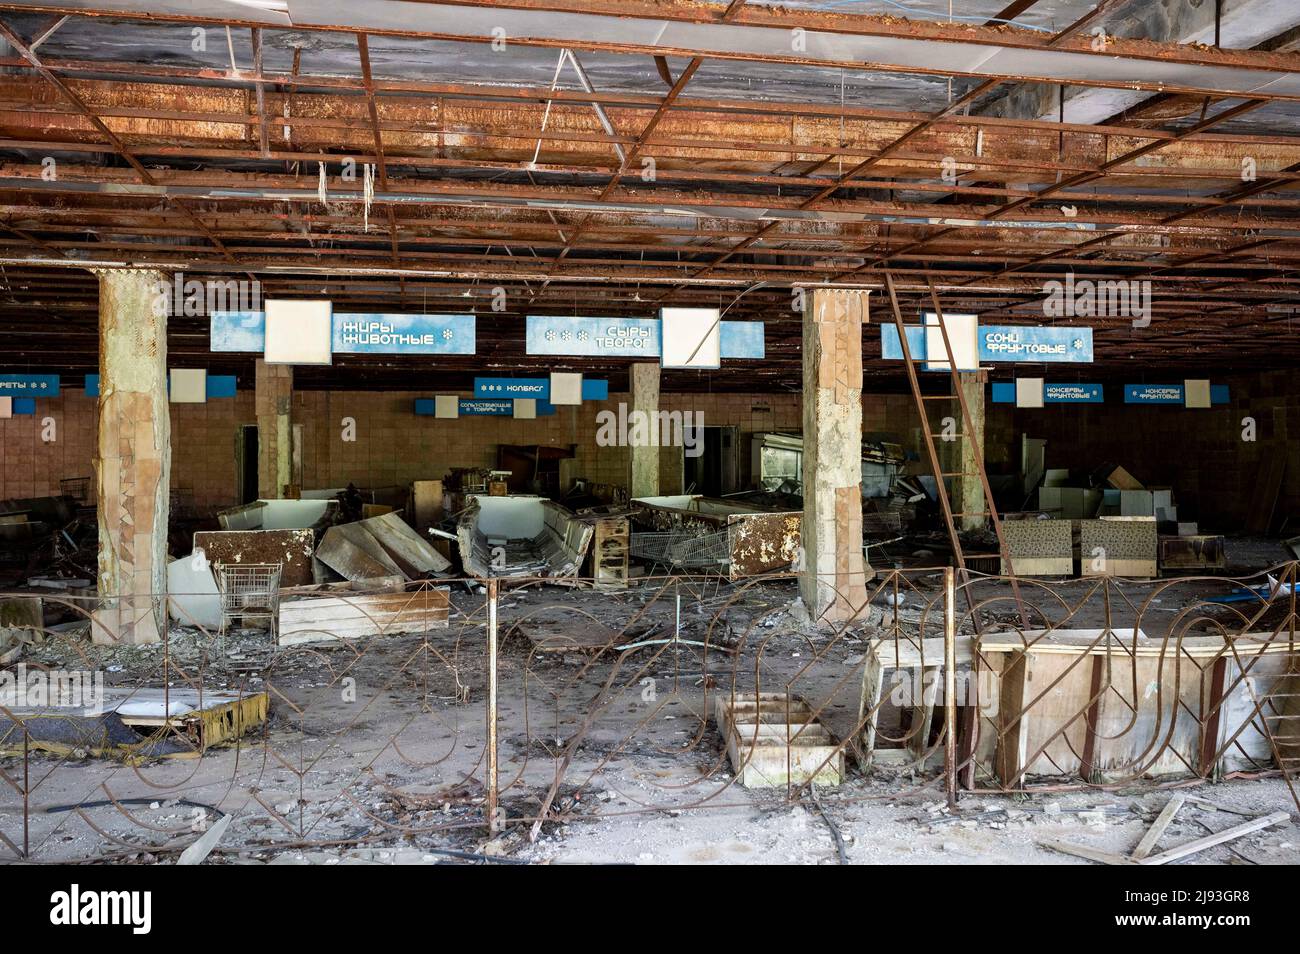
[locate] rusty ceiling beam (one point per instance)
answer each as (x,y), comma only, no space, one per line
(539,25)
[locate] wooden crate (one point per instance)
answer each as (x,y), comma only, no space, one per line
(766,750)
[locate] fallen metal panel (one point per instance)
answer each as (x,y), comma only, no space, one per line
(407,549)
(355,555)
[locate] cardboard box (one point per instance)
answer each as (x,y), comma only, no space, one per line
(1121,479)
(1136,503)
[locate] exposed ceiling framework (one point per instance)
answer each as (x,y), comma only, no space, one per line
(677,153)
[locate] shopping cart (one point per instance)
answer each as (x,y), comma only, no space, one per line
(682,548)
(249,591)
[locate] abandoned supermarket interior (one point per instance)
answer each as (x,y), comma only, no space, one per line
(650,432)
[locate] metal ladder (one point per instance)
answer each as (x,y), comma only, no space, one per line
(941,490)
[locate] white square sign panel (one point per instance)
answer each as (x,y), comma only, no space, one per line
(1029,392)
(963,337)
(189,386)
(299,332)
(566,388)
(6,407)
(446,405)
(690,338)
(1196,392)
(526,408)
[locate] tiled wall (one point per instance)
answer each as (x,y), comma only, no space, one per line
(1199,453)
(203,447)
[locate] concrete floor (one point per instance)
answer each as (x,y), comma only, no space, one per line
(375,753)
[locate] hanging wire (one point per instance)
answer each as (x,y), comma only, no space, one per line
(367,191)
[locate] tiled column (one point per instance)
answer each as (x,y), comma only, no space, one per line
(968,490)
(133,458)
(835,572)
(645,459)
(273,384)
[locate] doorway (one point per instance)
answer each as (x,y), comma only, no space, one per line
(246,455)
(716,471)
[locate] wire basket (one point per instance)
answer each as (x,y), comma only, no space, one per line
(78,488)
(683,548)
(249,591)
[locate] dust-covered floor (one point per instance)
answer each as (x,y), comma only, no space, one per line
(375,751)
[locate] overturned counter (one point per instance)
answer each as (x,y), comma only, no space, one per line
(696,532)
(517,536)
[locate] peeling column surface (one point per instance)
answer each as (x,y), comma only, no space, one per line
(133,462)
(273,385)
(969,491)
(835,573)
(645,460)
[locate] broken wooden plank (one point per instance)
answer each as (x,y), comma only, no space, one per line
(202,847)
(1083,851)
(1158,827)
(1218,838)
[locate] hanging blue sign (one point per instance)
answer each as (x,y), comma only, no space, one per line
(539,388)
(1044,343)
(1040,343)
(1004,392)
(403,334)
(29,385)
(219,386)
(628,337)
(362,333)
(23,406)
(481,407)
(1153,394)
(512,387)
(1169,394)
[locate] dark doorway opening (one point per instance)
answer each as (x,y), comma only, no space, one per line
(246,453)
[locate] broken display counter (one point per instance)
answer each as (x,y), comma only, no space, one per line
(522,536)
(1114,705)
(690,531)
(135,723)
(346,611)
(775,739)
(900,677)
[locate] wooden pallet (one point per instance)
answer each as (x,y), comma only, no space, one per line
(773,739)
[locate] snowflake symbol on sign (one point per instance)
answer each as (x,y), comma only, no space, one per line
(1078,344)
(550,336)
(447,334)
(583,335)
(567,336)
